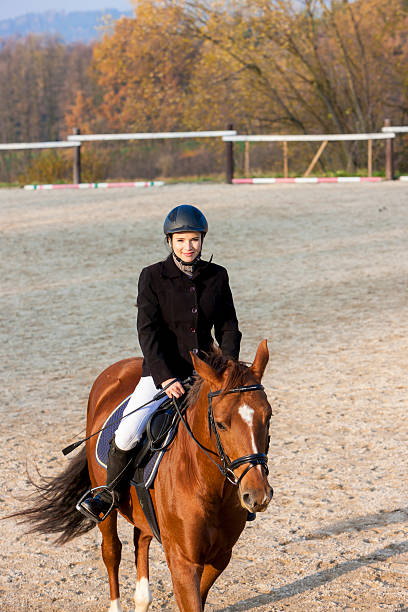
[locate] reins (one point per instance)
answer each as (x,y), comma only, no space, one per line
(159,395)
(227,468)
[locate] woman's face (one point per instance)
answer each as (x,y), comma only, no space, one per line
(187,245)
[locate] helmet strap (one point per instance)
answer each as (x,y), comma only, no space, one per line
(186,264)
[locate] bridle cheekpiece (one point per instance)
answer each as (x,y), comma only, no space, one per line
(229,466)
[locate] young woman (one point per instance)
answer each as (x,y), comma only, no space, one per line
(180,300)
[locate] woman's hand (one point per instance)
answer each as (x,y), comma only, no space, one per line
(174,390)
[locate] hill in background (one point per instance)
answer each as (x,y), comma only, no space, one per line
(78,26)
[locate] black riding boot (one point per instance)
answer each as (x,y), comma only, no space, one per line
(97,508)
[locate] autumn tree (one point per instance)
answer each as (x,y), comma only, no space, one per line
(39,78)
(280,66)
(142,72)
(307,67)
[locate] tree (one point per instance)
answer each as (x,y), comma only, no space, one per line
(142,71)
(39,78)
(315,66)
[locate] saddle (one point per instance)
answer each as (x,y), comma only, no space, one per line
(160,432)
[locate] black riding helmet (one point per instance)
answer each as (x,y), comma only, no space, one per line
(185,218)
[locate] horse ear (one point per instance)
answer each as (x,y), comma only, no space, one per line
(260,361)
(206,371)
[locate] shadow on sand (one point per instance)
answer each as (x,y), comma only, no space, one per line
(320,578)
(362,523)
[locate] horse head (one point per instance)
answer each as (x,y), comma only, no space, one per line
(239,416)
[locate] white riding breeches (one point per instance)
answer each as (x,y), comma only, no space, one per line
(131,427)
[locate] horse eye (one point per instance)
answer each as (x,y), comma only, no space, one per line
(221,426)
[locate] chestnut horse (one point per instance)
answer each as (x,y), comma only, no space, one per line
(201,497)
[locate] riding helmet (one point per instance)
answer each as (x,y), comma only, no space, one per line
(185,218)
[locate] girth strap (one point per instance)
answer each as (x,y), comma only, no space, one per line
(146,502)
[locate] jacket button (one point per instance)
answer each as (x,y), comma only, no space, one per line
(194,310)
(193,330)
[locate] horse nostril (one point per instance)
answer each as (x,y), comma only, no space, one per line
(247,499)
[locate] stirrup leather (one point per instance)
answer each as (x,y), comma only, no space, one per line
(86,512)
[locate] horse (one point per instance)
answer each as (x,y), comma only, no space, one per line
(201,497)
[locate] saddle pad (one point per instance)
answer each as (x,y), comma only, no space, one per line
(108,429)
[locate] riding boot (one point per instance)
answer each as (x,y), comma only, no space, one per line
(99,506)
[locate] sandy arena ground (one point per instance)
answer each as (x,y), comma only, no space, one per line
(321,271)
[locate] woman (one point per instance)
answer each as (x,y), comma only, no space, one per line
(180,300)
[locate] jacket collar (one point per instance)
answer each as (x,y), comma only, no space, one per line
(170,270)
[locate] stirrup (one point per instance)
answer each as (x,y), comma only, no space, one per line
(86,512)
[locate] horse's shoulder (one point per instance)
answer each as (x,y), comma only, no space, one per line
(121,377)
(124,367)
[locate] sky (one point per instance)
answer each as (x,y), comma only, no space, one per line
(21,7)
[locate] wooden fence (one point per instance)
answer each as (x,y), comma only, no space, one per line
(323,139)
(81,138)
(229,136)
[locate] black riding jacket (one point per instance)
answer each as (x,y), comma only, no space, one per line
(176,315)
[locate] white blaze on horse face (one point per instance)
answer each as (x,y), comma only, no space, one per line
(143,595)
(247,415)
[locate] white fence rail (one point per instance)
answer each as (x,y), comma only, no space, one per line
(397,129)
(323,138)
(306,138)
(22,146)
(229,136)
(151,135)
(77,139)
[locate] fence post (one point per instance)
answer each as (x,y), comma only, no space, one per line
(370,157)
(389,155)
(229,150)
(285,159)
(246,159)
(77,160)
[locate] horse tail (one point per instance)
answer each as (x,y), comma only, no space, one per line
(54,500)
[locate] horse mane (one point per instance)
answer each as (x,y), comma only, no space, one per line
(235,373)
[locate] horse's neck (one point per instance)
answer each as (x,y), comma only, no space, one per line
(196,458)
(199,417)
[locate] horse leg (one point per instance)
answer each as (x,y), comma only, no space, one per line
(186,578)
(211,573)
(143,596)
(111,554)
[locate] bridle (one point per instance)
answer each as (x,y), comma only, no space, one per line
(227,466)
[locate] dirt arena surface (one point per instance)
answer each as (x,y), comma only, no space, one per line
(321,271)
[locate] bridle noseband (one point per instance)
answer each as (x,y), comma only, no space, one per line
(229,466)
